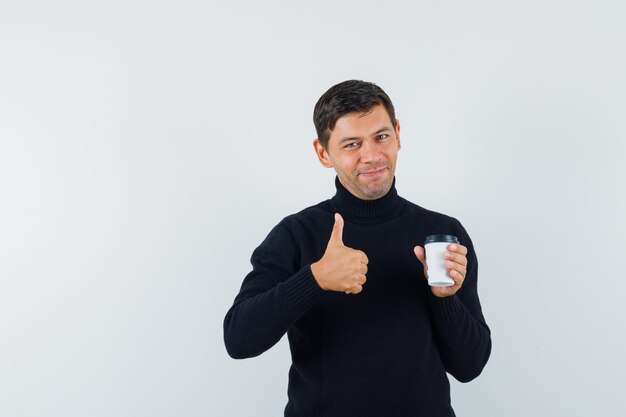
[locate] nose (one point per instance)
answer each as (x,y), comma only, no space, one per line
(369,152)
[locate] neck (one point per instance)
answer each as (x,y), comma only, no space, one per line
(357,210)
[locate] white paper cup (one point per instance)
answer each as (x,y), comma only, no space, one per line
(435,246)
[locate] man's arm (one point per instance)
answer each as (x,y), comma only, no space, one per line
(278,292)
(273,296)
(463,337)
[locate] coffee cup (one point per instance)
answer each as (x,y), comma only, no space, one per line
(435,247)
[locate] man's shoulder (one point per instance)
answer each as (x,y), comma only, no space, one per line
(308,217)
(433,221)
(418,210)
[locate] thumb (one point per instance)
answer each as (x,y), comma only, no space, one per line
(419,252)
(337,234)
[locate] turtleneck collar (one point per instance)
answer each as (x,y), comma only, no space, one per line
(356,210)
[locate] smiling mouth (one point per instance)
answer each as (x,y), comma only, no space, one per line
(374,172)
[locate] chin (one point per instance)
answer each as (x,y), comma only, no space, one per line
(378,194)
(380,187)
(373,193)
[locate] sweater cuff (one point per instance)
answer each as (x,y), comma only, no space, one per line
(302,289)
(447,309)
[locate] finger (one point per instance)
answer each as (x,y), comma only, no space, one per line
(363,269)
(456,257)
(356,289)
(458,248)
(453,266)
(360,280)
(421,256)
(458,281)
(336,235)
(364,259)
(458,275)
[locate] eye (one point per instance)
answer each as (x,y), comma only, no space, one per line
(382,136)
(351,145)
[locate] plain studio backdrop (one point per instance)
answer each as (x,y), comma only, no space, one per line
(146,148)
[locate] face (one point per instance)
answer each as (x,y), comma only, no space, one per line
(363,149)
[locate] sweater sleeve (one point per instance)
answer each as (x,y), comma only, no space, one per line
(464,339)
(273,296)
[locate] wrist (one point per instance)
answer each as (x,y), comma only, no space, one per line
(315,271)
(317,275)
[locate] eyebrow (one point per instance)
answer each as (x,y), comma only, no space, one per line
(351,138)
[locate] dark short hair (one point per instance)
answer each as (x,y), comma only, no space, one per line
(346,97)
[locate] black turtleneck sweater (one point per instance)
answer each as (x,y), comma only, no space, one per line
(383,352)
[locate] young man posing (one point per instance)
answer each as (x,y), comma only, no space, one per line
(345,279)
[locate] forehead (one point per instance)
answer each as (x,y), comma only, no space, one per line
(361,123)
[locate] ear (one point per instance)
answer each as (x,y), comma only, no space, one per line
(398,133)
(322,154)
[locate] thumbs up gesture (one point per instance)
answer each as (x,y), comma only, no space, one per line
(341,268)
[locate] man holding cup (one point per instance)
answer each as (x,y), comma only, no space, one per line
(345,279)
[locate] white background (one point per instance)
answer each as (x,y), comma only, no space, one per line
(146,148)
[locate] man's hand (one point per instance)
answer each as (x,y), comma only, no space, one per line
(456,262)
(341,268)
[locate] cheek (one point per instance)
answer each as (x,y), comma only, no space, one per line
(346,162)
(392,155)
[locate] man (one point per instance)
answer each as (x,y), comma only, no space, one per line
(345,279)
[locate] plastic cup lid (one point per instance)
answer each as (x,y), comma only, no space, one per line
(441,238)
